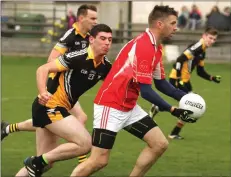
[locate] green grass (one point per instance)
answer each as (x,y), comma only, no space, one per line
(204,152)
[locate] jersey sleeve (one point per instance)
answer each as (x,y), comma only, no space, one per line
(71,60)
(65,41)
(60,65)
(108,68)
(142,64)
(194,50)
(159,72)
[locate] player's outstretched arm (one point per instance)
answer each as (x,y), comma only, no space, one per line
(168,89)
(150,95)
(202,73)
(216,79)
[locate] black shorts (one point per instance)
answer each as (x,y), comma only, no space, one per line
(42,115)
(173,82)
(105,138)
(186,88)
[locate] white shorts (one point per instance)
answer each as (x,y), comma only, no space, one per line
(114,120)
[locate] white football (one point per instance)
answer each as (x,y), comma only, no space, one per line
(194,103)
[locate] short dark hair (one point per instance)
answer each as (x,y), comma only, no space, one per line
(160,12)
(211,30)
(100,28)
(82,10)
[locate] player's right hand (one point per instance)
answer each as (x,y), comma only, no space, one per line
(44,98)
(183,115)
(181,83)
(216,79)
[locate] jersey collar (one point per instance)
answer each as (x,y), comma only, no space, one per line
(77,31)
(92,57)
(151,36)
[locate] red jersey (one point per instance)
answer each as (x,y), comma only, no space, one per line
(139,61)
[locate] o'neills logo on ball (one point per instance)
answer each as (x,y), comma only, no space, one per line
(197,105)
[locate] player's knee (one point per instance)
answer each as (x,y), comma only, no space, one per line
(162,145)
(88,145)
(85,144)
(100,163)
(98,160)
(83,118)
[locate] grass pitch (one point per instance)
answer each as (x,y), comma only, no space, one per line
(204,152)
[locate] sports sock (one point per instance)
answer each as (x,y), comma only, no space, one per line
(176,130)
(12,128)
(40,161)
(82,158)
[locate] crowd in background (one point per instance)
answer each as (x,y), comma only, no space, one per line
(190,19)
(193,19)
(71,18)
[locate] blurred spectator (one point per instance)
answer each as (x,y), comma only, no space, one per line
(183,17)
(215,10)
(227,16)
(71,18)
(227,11)
(218,20)
(214,18)
(194,18)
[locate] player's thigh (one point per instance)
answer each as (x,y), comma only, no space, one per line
(141,127)
(139,123)
(107,122)
(137,114)
(43,115)
(103,138)
(78,112)
(155,138)
(70,129)
(45,141)
(109,118)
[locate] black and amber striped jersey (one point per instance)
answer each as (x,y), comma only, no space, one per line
(72,40)
(192,57)
(78,73)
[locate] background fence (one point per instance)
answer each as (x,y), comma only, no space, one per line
(33,28)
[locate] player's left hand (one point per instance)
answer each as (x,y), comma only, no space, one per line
(44,98)
(183,115)
(216,79)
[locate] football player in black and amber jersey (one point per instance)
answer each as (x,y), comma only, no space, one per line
(74,73)
(192,57)
(76,38)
